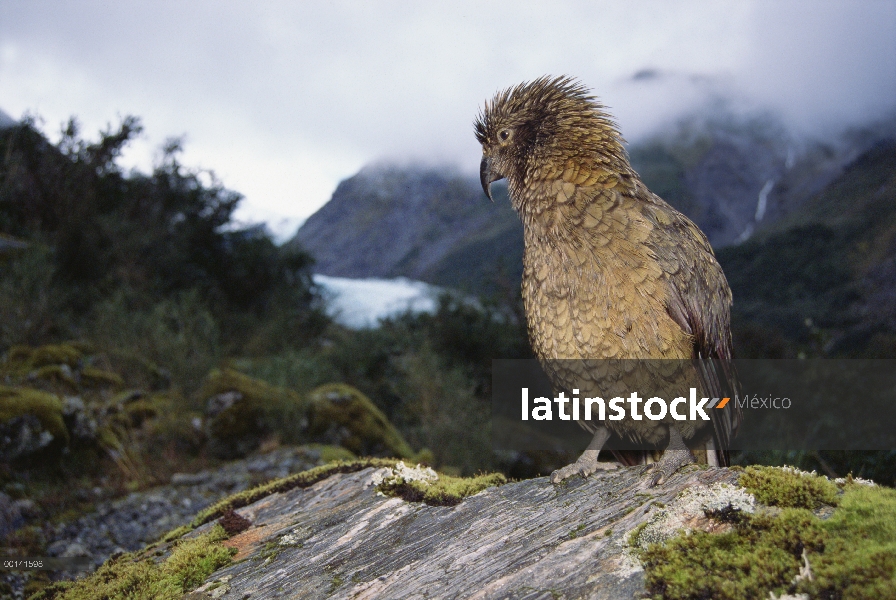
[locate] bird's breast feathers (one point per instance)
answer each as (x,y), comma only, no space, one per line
(592,283)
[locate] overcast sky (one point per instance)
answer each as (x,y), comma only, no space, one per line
(285,99)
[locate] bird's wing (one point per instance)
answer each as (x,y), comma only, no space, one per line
(699,301)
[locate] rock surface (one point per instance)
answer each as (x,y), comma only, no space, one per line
(340,538)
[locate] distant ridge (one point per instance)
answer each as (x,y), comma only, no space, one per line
(421,223)
(735,177)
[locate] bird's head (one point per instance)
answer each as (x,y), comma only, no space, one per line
(532,131)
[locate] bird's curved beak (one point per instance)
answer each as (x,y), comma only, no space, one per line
(487,176)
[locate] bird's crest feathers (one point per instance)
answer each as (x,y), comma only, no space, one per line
(553,116)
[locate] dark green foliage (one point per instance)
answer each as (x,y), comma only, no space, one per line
(119,246)
(431,374)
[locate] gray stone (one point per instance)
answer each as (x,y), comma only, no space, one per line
(342,539)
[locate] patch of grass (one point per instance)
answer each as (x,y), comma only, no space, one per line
(788,488)
(139,577)
(574,533)
(761,554)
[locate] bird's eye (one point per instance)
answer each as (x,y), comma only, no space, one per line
(504,134)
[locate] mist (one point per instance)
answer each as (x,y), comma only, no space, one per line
(283,100)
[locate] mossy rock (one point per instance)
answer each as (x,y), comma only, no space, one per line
(30,420)
(142,576)
(141,371)
(438,489)
(850,552)
(58,377)
(25,358)
(98,378)
(330,454)
(341,415)
(786,487)
(242,411)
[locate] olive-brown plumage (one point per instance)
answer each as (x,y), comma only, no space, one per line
(611,271)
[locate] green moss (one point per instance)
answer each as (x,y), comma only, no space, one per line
(343,413)
(21,360)
(55,354)
(98,378)
(574,533)
(788,488)
(859,558)
(761,554)
(333,453)
(139,577)
(59,375)
(444,491)
(635,535)
(852,555)
(257,410)
(47,408)
(298,480)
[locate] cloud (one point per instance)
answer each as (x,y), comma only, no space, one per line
(285,99)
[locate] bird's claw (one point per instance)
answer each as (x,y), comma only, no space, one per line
(581,467)
(671,461)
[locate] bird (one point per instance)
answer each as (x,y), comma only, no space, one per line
(611,272)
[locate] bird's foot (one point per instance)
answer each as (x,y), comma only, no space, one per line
(584,466)
(672,460)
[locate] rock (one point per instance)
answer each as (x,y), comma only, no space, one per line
(340,538)
(11,517)
(343,416)
(30,421)
(242,411)
(21,436)
(129,523)
(79,420)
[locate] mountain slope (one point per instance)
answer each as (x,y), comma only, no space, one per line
(413,222)
(822,280)
(807,239)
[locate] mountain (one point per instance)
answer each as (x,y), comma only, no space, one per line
(420,223)
(821,280)
(803,229)
(731,176)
